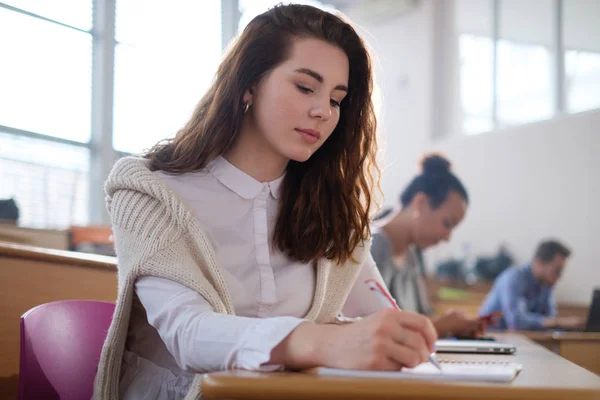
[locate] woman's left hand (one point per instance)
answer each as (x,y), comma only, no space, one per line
(457,323)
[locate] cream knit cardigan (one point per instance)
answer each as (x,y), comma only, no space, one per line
(157,235)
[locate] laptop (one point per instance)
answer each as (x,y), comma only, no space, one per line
(593,320)
(474,346)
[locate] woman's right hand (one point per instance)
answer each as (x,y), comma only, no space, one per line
(386,340)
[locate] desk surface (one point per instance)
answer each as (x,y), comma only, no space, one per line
(545,376)
(561,336)
(582,348)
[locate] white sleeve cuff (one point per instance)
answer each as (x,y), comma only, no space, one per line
(258,341)
(342,320)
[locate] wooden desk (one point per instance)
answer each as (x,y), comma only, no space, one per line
(582,348)
(46,238)
(545,376)
(473,295)
(30,276)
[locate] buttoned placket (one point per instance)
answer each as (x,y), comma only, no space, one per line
(263,259)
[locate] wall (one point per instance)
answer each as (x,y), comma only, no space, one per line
(403,47)
(531,182)
(526,183)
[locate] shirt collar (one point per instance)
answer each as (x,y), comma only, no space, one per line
(275,186)
(240,182)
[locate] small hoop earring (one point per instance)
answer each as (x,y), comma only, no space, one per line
(246,107)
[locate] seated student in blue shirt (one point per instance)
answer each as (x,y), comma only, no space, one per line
(524,294)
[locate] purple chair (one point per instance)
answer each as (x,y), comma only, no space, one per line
(60,348)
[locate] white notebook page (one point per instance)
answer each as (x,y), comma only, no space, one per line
(451,371)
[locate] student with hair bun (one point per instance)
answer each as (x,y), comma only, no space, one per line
(430,207)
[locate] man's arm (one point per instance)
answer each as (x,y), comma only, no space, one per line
(554,321)
(514,307)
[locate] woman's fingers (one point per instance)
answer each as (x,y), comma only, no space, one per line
(419,324)
(406,355)
(414,341)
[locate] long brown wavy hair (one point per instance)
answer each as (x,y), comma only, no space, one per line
(325,202)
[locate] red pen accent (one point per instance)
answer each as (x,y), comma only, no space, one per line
(383,292)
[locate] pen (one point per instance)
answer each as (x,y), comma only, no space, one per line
(386,300)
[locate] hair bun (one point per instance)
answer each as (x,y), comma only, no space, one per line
(435,164)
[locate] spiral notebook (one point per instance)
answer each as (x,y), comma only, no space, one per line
(453,370)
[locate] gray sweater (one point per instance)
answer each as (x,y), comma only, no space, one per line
(405,282)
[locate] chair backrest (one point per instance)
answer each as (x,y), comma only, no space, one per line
(60,348)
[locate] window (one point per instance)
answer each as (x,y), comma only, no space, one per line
(513,67)
(45,103)
(474,20)
(50,190)
(165,58)
(45,76)
(163,66)
(76,13)
(476,83)
(524,83)
(581,27)
(582,80)
(524,62)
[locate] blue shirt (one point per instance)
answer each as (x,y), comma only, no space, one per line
(523,300)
